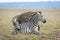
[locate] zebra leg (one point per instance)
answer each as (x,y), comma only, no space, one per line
(36,25)
(15,31)
(38,28)
(16,27)
(36,31)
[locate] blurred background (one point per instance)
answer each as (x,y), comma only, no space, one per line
(48,31)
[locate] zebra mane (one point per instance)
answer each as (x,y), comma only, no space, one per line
(34,18)
(32,15)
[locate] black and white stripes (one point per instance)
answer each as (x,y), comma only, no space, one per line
(29,26)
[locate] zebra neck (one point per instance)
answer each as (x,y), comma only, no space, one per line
(34,19)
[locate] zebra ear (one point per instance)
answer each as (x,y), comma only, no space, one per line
(39,12)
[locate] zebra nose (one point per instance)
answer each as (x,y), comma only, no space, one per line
(44,21)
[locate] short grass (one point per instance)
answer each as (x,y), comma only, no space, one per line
(48,31)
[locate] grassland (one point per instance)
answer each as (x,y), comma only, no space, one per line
(48,31)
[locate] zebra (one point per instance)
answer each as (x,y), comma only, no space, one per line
(30,26)
(27,28)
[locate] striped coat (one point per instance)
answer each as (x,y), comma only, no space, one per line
(28,26)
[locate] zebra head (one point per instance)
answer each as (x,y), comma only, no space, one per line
(40,17)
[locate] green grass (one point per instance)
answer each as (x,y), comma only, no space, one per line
(48,31)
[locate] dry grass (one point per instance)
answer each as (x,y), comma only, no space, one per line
(49,31)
